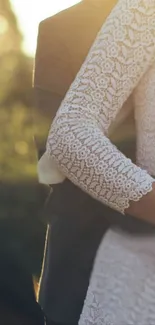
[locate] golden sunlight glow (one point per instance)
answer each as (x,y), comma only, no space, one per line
(3,25)
(31,12)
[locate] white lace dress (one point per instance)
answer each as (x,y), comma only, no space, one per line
(121,63)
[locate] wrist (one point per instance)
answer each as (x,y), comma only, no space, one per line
(144,208)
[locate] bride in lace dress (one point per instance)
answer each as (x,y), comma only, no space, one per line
(121,63)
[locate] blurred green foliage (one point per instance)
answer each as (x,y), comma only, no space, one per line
(21,197)
(17,155)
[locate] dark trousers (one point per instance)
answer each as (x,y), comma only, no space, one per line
(69,262)
(18,304)
(77,226)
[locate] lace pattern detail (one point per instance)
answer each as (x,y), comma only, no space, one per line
(120,56)
(144,96)
(122,286)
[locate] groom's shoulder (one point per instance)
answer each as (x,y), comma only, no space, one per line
(57,51)
(60,23)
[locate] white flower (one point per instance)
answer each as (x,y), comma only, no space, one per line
(83,153)
(132,71)
(111,173)
(120,182)
(122,203)
(101,167)
(127,17)
(94,108)
(102,82)
(113,51)
(119,34)
(92,160)
(108,66)
(97,96)
(133,194)
(76,145)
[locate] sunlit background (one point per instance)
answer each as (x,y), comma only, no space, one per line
(19,20)
(21,197)
(30,12)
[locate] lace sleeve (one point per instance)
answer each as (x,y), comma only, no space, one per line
(121,54)
(144,96)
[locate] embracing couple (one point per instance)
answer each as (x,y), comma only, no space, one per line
(95,66)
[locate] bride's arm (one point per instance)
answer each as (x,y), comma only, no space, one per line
(144,105)
(121,54)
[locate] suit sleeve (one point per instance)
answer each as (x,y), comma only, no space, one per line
(52,78)
(52,70)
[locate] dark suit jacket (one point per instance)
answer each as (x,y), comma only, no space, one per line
(63,44)
(79,222)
